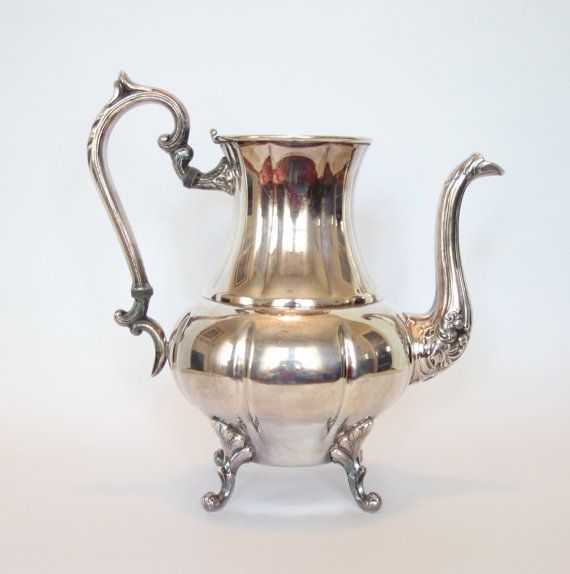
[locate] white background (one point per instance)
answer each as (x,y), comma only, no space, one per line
(102,468)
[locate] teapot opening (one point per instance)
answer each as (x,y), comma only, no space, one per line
(289,139)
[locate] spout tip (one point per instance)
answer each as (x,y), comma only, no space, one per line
(484,167)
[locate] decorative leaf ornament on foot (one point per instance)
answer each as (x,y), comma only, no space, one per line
(347,451)
(236,450)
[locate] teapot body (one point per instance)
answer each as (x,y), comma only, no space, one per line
(292,353)
(291,343)
(291,378)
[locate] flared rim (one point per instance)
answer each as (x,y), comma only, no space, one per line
(294,139)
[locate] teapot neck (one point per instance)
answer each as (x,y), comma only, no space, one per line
(293,244)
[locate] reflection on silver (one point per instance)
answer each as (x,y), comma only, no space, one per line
(292,376)
(292,352)
(236,450)
(440,336)
(293,245)
(347,451)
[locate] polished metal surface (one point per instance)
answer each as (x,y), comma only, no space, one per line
(293,243)
(292,353)
(292,377)
(236,450)
(440,336)
(347,451)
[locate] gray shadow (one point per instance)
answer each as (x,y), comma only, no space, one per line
(303,498)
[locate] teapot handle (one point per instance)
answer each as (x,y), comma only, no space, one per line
(126,96)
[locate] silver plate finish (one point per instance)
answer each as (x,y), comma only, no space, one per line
(292,353)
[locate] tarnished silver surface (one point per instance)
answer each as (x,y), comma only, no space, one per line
(347,451)
(236,450)
(292,347)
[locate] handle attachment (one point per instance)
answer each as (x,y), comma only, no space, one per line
(221,178)
(126,96)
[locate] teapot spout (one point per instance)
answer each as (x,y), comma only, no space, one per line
(440,336)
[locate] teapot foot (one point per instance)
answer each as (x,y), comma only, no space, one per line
(236,450)
(347,451)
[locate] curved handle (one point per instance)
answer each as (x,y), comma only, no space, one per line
(126,96)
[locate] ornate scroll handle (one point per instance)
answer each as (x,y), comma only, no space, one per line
(126,96)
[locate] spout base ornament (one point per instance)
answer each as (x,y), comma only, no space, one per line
(347,451)
(236,450)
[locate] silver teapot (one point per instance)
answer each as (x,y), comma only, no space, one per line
(291,354)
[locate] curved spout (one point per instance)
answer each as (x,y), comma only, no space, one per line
(440,336)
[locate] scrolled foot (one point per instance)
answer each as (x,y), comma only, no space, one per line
(236,450)
(347,451)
